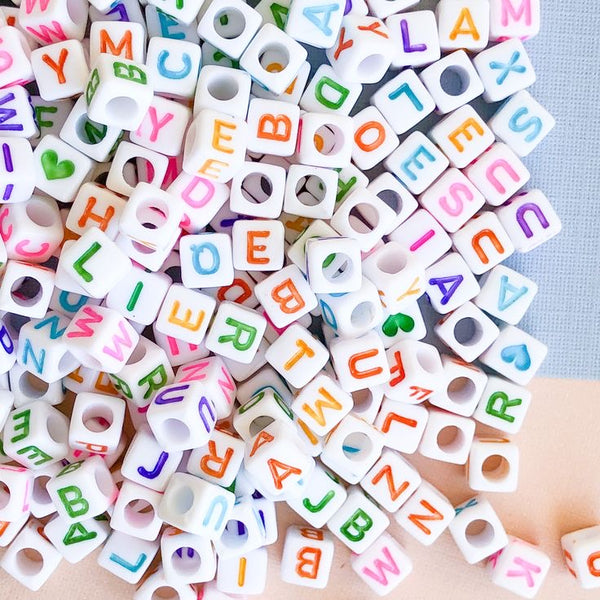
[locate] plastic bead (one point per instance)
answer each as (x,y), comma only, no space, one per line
(415,36)
(126,556)
(493,465)
(580,549)
(328,92)
(514,18)
(463,24)
(315,24)
(76,540)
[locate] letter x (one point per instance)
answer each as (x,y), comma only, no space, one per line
(506,68)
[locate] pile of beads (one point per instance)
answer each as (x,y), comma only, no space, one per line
(190,244)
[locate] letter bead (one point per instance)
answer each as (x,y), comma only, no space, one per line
(31,558)
(581,550)
(16,485)
(16,57)
(325,140)
(186,558)
(359,521)
(447,437)
(76,540)
(477,530)
(157,583)
(307,557)
(415,37)
(258,245)
(383,566)
(401,425)
(493,465)
(31,301)
(313,23)
(514,18)
(327,92)
(374,138)
(310,192)
(463,24)
(126,556)
(244,574)
(519,567)
(16,166)
(333,265)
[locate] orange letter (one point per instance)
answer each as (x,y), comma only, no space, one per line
(251,247)
(269,125)
(304,350)
(57,68)
(464,129)
(355,358)
(465,15)
(285,302)
(218,136)
(358,135)
(313,562)
(106,44)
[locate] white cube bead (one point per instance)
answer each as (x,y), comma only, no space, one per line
(504,70)
(76,540)
(258,245)
(519,567)
(31,559)
(272,126)
(127,557)
(522,123)
(118,38)
(383,566)
(514,18)
(321,498)
(325,140)
(477,530)
(401,425)
(465,384)
(483,242)
(515,354)
(257,190)
(314,24)
(360,363)
(83,490)
(503,405)
(415,371)
(9,530)
(310,191)
(391,481)
(581,550)
(529,220)
(467,331)
(452,81)
(223,89)
(452,199)
(328,92)
(307,557)
(417,162)
(36,435)
(450,283)
(16,46)
(389,189)
(246,574)
(27,388)
(462,136)
(18,160)
(186,558)
(196,506)
(415,37)
(333,265)
(359,522)
(206,260)
(463,24)
(374,138)
(493,465)
(426,514)
(135,511)
(363,50)
(157,583)
(498,174)
(447,437)
(33,301)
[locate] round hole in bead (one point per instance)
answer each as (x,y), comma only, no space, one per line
(362,314)
(467,331)
(229,23)
(40,213)
(97,418)
(356,445)
(454,80)
(4,495)
(391,262)
(152,214)
(427,361)
(165,592)
(358,218)
(450,439)
(307,197)
(234,535)
(461,390)
(26,291)
(183,499)
(392,199)
(139,513)
(32,386)
(186,561)
(39,492)
(371,64)
(121,106)
(259,424)
(223,88)
(337,267)
(66,362)
(175,429)
(30,561)
(274,58)
(56,428)
(261,186)
(495,467)
(362,400)
(479,533)
(137,355)
(328,139)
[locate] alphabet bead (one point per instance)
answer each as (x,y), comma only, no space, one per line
(359,363)
(36,435)
(483,242)
(82,490)
(516,217)
(244,530)
(307,557)
(32,301)
(463,24)
(325,140)
(581,549)
(15,46)
(257,190)
(447,437)
(17,485)
(391,481)
(272,126)
(462,136)
(506,294)
(374,138)
(127,557)
(359,522)
(118,92)
(249,573)
(157,581)
(19,562)
(27,388)
(504,70)
(314,24)
(341,275)
(401,424)
(310,192)
(514,18)
(384,555)
(76,540)
(467,331)
(123,39)
(18,160)
(186,558)
(20,120)
(515,354)
(329,93)
(519,567)
(173,66)
(258,245)
(477,530)
(452,81)
(493,465)
(522,123)
(389,189)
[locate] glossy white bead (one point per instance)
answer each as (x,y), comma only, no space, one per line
(463,24)
(328,92)
(246,574)
(415,37)
(17,161)
(127,557)
(33,301)
(580,549)
(493,465)
(447,437)
(76,540)
(135,511)
(325,140)
(513,18)
(17,485)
